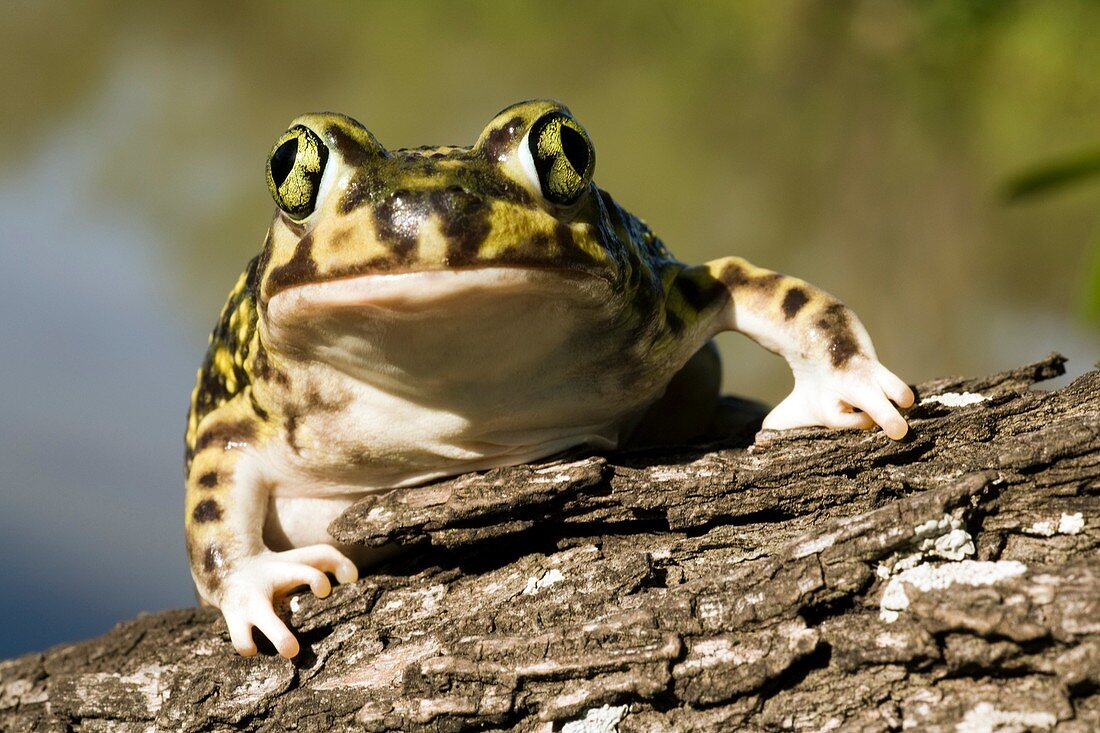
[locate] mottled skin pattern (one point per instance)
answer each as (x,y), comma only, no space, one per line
(419,313)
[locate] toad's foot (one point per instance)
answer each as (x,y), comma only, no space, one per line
(829,397)
(249,591)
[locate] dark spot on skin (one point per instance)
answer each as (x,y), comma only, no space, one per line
(258,265)
(564,236)
(700,294)
(495,186)
(331,399)
(397,221)
(350,149)
(355,195)
(291,426)
(767,282)
(540,242)
(793,302)
(464,220)
(208,480)
(344,238)
(836,326)
(265,370)
(733,275)
(212,558)
(256,406)
(261,365)
(502,139)
(300,268)
(207,510)
(222,434)
(313,401)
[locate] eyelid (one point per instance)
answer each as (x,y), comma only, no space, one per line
(527,162)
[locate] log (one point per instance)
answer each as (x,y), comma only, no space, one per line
(807,580)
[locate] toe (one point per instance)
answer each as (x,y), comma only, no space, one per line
(271,626)
(240,635)
(895,388)
(320,585)
(346,572)
(326,558)
(885,415)
(288,576)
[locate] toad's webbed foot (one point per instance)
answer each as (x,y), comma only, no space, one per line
(250,589)
(829,397)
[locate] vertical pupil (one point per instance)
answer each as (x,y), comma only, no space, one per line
(282,161)
(575,149)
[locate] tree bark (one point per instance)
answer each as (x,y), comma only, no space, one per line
(810,580)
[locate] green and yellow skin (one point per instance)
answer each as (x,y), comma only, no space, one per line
(415,314)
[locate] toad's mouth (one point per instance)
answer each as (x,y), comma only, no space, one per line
(452,331)
(412,292)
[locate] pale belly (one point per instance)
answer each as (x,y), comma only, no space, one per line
(299,521)
(373,440)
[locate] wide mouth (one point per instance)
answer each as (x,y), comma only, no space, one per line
(420,290)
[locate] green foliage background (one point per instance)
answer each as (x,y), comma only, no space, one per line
(1052,178)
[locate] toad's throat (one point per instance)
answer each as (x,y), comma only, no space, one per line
(465,369)
(470,332)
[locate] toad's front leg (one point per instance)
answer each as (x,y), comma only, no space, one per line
(226,506)
(835,368)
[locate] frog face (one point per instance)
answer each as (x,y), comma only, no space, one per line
(450,275)
(521,197)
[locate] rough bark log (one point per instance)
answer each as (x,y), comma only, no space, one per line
(813,580)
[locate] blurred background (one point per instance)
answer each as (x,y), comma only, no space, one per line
(866,146)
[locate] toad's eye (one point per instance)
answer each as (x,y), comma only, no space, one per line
(563,156)
(294,171)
